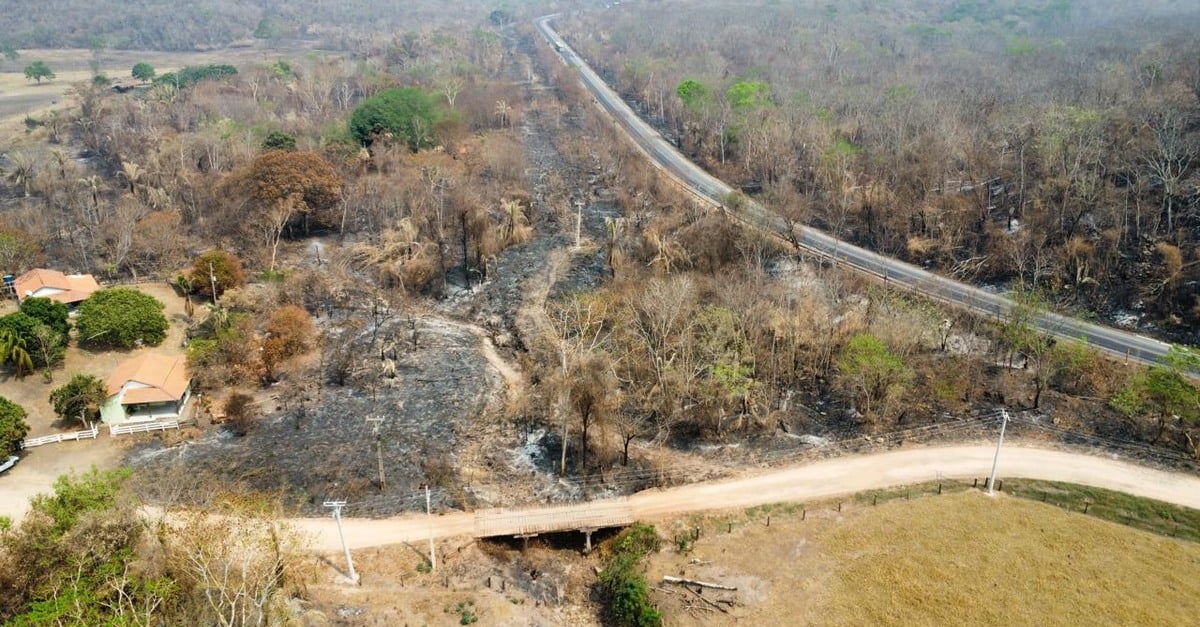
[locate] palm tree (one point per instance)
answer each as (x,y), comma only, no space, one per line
(22,171)
(503,111)
(132,173)
(12,350)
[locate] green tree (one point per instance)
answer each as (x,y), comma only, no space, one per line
(13,427)
(25,343)
(215,268)
(407,113)
(38,70)
(13,351)
(1021,335)
(192,74)
(278,140)
(143,72)
(726,355)
(1164,391)
(693,94)
(500,17)
(8,51)
(872,371)
(747,95)
(79,399)
(69,562)
(50,313)
(267,28)
(120,317)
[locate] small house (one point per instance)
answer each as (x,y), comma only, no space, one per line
(70,289)
(146,388)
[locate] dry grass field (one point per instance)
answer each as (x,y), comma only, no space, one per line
(958,559)
(20,97)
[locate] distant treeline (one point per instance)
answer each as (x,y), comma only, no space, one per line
(172,25)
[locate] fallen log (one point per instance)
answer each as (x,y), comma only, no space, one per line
(706,601)
(693,582)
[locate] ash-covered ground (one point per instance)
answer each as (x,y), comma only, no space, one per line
(321,444)
(444,409)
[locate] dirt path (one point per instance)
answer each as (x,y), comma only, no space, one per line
(816,480)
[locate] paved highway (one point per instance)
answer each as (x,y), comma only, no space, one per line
(894,272)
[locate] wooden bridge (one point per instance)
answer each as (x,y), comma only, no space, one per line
(526,523)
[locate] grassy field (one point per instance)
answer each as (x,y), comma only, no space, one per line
(956,559)
(1161,518)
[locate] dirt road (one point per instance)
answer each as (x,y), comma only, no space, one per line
(815,480)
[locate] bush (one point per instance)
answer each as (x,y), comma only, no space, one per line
(120,317)
(191,75)
(277,140)
(13,427)
(290,332)
(79,399)
(239,413)
(622,580)
(226,272)
(407,113)
(143,71)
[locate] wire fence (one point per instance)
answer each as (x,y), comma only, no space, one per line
(619,481)
(1033,423)
(626,480)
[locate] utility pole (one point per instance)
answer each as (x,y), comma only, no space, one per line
(996,459)
(337,516)
(578,221)
(562,406)
(212,277)
(429,519)
(378,421)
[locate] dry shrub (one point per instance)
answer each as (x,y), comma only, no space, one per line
(237,568)
(240,412)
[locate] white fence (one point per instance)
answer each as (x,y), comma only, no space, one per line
(142,427)
(87,434)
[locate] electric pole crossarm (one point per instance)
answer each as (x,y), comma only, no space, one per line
(337,517)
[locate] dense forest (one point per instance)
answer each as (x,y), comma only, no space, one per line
(1030,145)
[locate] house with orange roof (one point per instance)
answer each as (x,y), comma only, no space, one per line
(70,289)
(146,388)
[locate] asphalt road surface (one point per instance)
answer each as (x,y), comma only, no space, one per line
(894,272)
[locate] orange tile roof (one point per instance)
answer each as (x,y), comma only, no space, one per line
(72,288)
(166,379)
